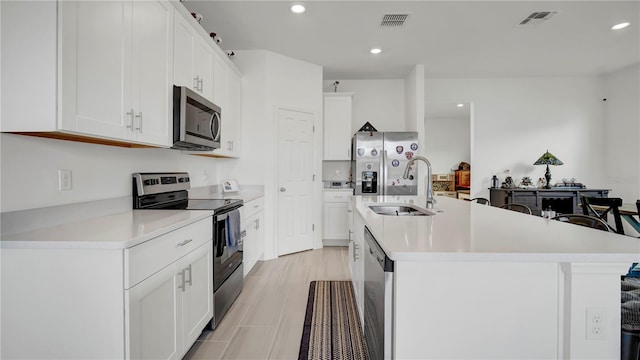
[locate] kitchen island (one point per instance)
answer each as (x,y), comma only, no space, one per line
(479,282)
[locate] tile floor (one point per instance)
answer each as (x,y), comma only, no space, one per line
(266,320)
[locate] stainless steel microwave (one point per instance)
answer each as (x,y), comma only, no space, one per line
(196,121)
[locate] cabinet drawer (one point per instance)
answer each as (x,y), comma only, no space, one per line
(253,207)
(143,260)
(337,196)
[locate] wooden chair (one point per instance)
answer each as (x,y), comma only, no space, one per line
(613,206)
(584,220)
(517,207)
(481,200)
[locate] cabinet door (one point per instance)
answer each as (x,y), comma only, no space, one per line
(254,241)
(152,85)
(220,83)
(231,115)
(183,50)
(336,221)
(95,68)
(203,67)
(260,236)
(250,244)
(351,243)
(358,264)
(154,316)
(197,304)
(337,126)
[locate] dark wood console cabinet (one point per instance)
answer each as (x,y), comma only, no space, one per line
(562,201)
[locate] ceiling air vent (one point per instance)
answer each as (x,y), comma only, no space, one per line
(393,20)
(538,17)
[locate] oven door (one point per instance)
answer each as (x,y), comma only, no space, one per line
(226,260)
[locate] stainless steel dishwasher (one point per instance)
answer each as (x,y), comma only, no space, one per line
(378,299)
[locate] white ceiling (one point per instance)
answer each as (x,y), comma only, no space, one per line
(450,38)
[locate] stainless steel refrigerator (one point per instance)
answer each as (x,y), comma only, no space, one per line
(378,161)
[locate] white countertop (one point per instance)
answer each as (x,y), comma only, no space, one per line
(116,231)
(464,231)
(104,224)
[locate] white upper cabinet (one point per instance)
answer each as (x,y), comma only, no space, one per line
(98,69)
(337,126)
(116,66)
(229,89)
(203,67)
(193,58)
(96,44)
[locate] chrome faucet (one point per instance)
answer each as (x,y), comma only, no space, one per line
(430,199)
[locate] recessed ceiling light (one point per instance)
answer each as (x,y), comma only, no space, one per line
(620,26)
(376,51)
(460,105)
(298,9)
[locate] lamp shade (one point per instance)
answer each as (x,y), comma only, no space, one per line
(548,159)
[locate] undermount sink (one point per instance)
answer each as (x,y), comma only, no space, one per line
(399,210)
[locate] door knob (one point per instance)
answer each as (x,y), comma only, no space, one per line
(282,189)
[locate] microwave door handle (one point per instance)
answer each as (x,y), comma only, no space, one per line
(215,120)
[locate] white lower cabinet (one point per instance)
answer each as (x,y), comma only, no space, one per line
(253,244)
(356,257)
(336,219)
(154,317)
(168,311)
(151,300)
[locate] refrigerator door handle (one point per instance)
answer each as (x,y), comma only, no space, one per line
(382,182)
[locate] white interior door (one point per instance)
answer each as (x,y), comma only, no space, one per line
(295,181)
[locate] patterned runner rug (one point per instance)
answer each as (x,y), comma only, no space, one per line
(332,327)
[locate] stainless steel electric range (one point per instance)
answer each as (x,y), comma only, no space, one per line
(160,191)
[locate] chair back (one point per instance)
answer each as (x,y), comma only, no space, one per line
(481,200)
(612,206)
(584,220)
(517,207)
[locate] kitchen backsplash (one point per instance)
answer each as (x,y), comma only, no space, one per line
(336,170)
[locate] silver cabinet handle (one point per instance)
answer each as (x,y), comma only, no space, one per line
(190,282)
(185,242)
(195,82)
(201,85)
(139,117)
(355,252)
(182,283)
(282,189)
(130,114)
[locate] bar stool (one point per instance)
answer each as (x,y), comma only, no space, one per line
(613,206)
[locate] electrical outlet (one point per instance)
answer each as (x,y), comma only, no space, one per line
(596,323)
(64,180)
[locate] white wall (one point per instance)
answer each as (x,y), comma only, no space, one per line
(516,120)
(447,143)
(30,170)
(622,132)
(381,102)
(270,81)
